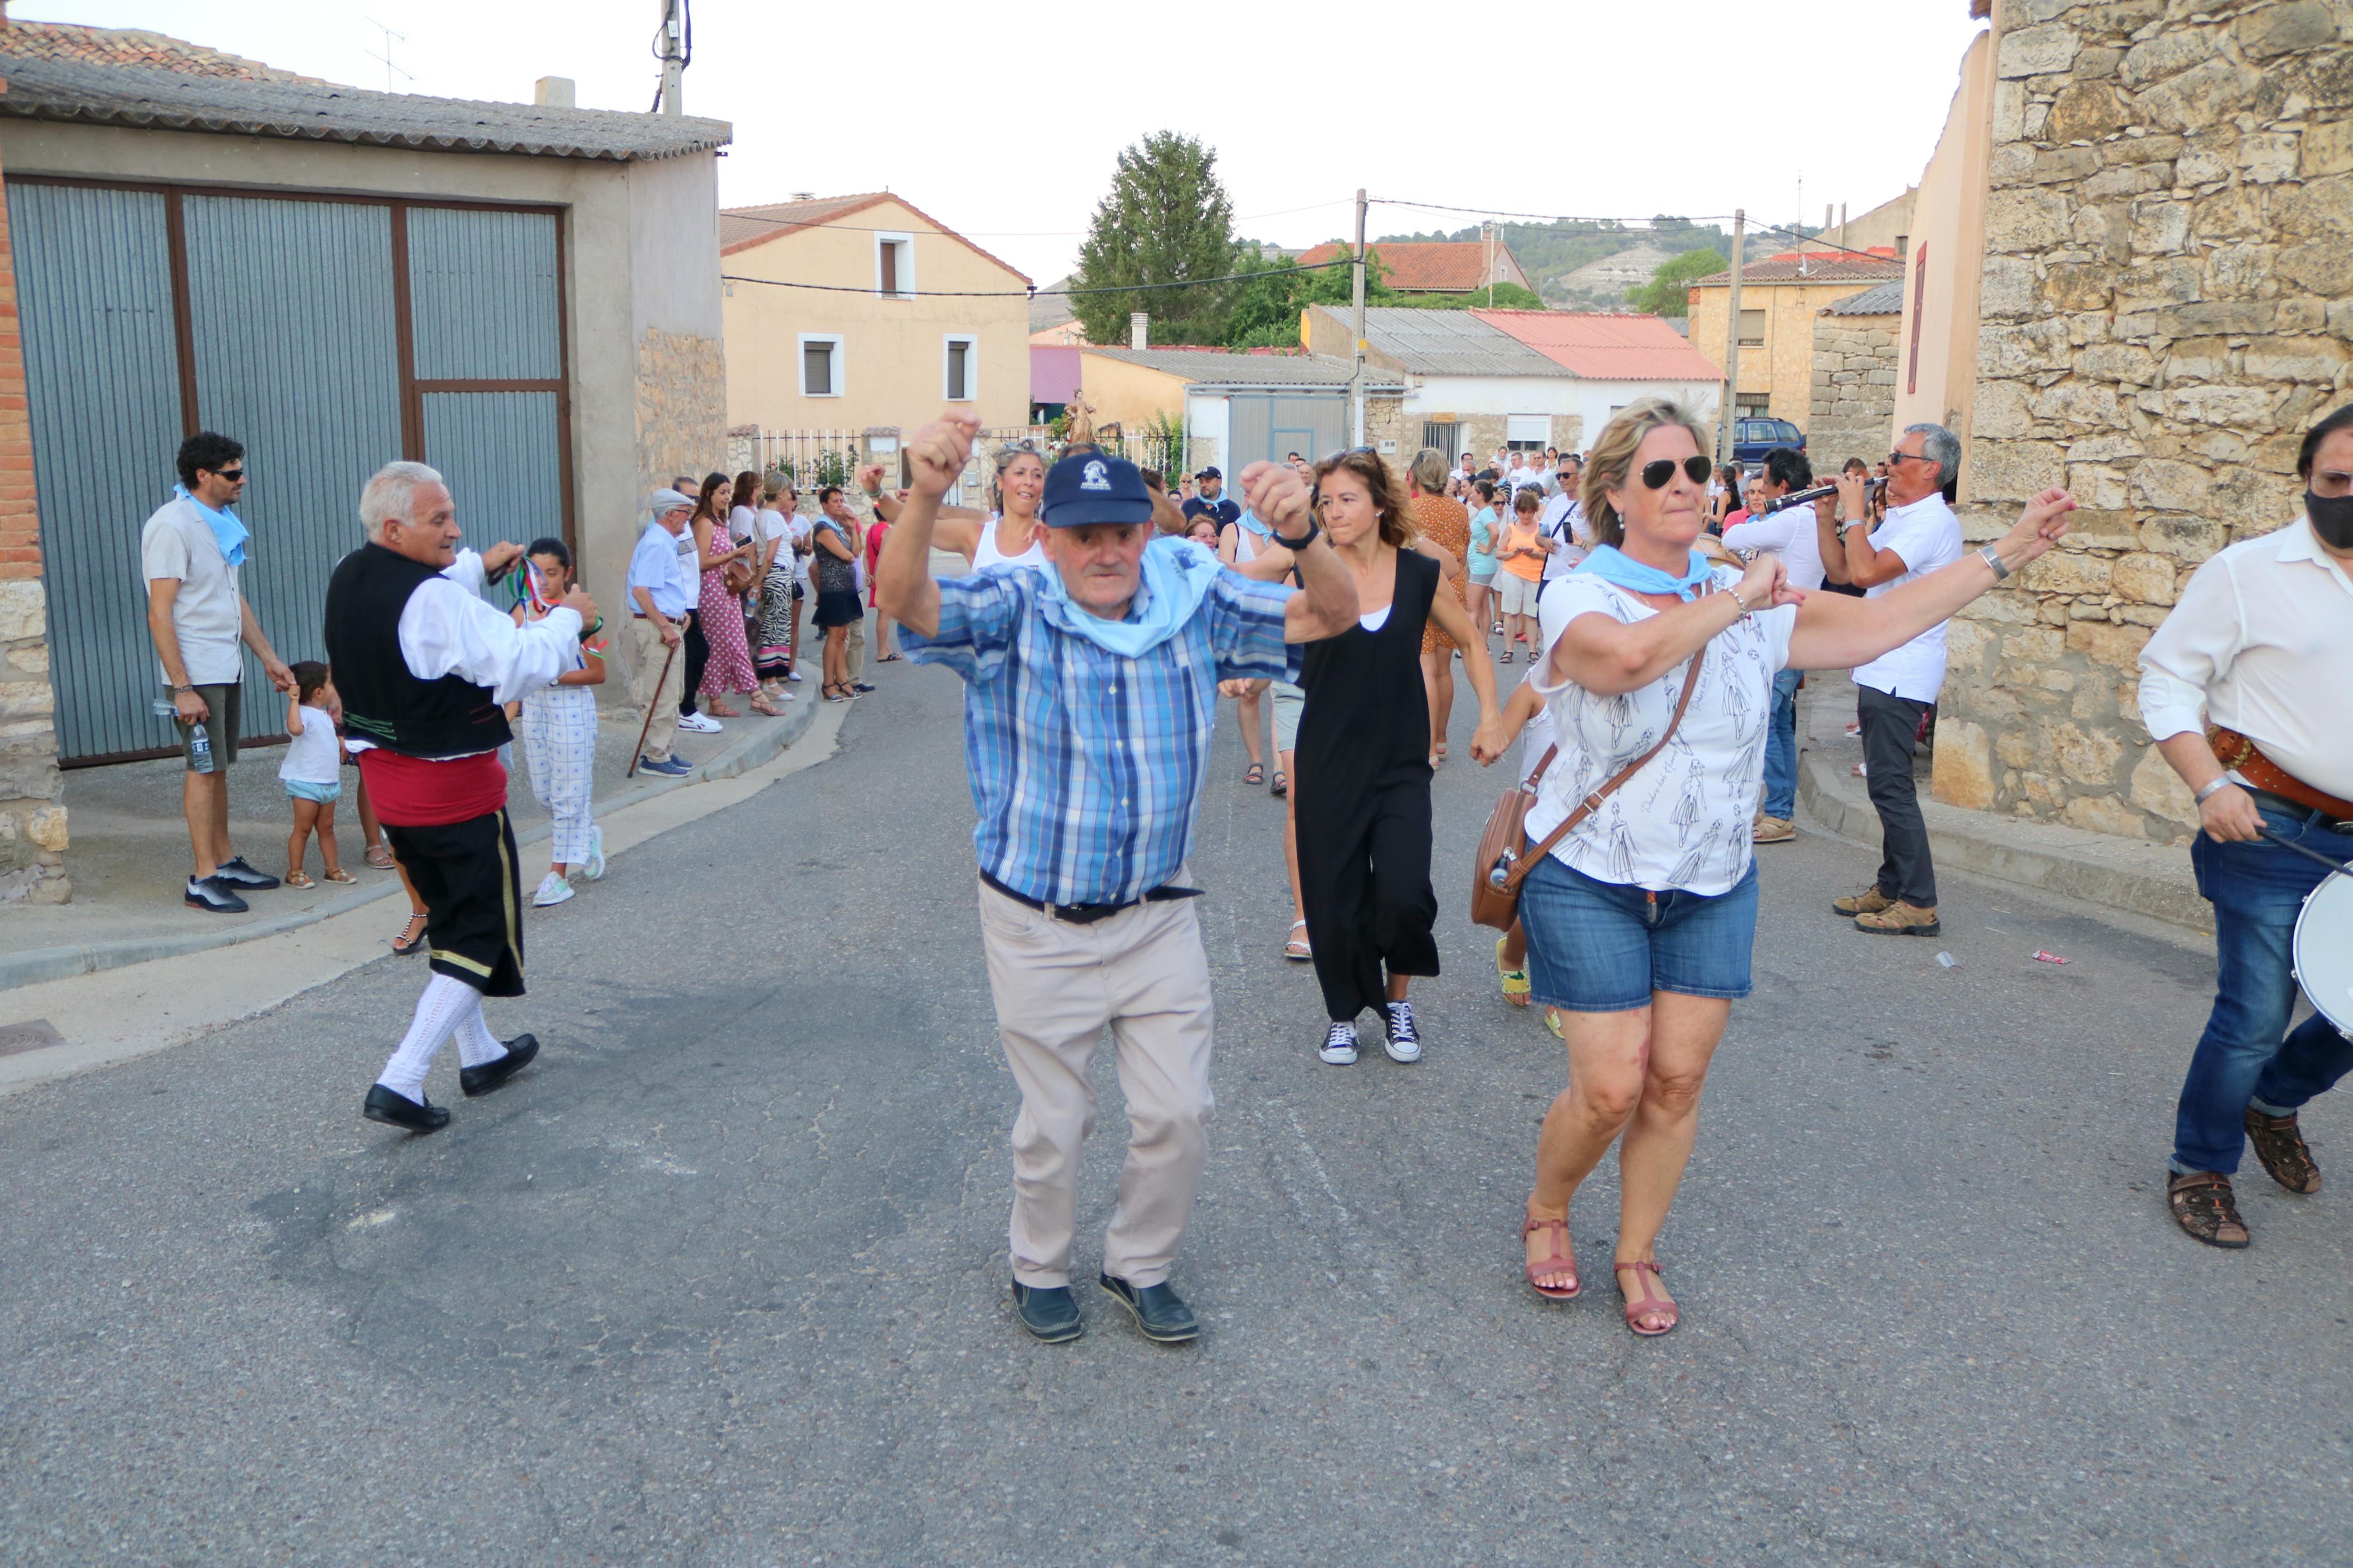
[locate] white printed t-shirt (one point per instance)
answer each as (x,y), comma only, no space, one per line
(1683,822)
(1927,536)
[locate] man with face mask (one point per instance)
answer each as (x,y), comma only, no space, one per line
(1092,688)
(2261,641)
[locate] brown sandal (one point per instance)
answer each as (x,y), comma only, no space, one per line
(340,876)
(411,938)
(2202,1205)
(298,878)
(1649,1306)
(2279,1144)
(1552,1265)
(378,858)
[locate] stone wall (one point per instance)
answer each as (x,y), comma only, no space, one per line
(681,407)
(32,822)
(2167,301)
(1853,413)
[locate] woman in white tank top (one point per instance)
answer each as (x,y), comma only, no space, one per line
(1010,536)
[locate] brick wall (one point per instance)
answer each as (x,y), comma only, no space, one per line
(1853,413)
(2167,301)
(32,822)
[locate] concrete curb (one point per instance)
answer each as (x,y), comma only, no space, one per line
(757,747)
(2151,879)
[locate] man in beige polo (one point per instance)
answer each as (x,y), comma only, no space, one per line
(1090,693)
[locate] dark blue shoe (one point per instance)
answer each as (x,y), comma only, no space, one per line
(669,767)
(1049,1311)
(1159,1311)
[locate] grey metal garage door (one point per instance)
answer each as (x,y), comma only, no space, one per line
(1263,427)
(329,336)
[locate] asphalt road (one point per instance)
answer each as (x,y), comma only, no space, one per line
(722,1280)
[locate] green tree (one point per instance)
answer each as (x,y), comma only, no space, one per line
(1167,219)
(1506,297)
(1668,293)
(1264,311)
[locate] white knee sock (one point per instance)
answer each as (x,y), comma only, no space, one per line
(445,1004)
(476,1044)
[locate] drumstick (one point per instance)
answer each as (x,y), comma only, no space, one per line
(2304,850)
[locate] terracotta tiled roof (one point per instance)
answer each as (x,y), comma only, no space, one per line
(740,228)
(1607,347)
(1819,268)
(1429,267)
(131,47)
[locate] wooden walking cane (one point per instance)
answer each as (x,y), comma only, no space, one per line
(651,703)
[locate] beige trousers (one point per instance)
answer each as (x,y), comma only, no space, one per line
(647,657)
(853,649)
(1143,974)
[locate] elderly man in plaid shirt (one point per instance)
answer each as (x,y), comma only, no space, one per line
(1092,691)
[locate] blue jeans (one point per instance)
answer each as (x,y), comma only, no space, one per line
(1605,947)
(2247,1055)
(1781,748)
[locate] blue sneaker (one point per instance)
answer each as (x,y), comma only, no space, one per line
(669,767)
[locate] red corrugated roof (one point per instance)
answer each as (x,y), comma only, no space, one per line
(1429,267)
(130,47)
(1607,347)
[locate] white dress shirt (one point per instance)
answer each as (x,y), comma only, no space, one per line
(1564,523)
(1926,536)
(2263,639)
(1791,535)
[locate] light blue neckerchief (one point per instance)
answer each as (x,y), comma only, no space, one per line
(1248,519)
(225,527)
(1614,565)
(1177,576)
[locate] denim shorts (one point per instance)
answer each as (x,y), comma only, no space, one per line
(1603,947)
(302,789)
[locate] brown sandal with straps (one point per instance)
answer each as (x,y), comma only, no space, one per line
(1650,1306)
(2202,1205)
(2279,1144)
(1563,1261)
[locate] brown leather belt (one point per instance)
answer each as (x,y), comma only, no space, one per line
(2236,752)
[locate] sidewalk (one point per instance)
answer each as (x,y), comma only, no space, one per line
(2149,880)
(130,854)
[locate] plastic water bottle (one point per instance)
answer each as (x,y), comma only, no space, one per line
(200,749)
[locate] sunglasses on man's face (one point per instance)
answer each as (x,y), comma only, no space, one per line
(1655,475)
(1895,458)
(234,476)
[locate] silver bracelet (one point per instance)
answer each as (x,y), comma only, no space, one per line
(2211,785)
(1992,558)
(1744,611)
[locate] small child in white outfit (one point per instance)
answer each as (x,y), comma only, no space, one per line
(559,733)
(311,772)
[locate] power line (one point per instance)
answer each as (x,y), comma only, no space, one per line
(1030,293)
(748,216)
(1651,223)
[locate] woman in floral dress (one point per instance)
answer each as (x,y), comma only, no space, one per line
(730,666)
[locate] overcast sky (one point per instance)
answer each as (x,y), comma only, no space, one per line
(1009,133)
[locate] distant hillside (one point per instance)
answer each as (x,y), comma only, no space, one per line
(1552,252)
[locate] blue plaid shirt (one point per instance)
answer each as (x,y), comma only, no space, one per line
(1085,765)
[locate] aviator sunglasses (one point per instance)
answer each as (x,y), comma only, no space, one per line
(1655,475)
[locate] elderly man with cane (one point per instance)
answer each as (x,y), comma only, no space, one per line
(659,598)
(425,668)
(1092,690)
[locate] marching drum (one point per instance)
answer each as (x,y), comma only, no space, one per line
(2322,951)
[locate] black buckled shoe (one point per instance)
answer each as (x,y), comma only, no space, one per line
(1159,1311)
(396,1109)
(481,1079)
(1049,1311)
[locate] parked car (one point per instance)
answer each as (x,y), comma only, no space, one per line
(1752,439)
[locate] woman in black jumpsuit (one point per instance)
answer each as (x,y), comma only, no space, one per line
(1363,756)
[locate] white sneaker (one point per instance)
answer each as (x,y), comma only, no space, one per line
(795,677)
(593,866)
(552,891)
(1339,1048)
(700,723)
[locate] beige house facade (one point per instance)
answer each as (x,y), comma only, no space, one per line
(1936,343)
(888,343)
(1780,298)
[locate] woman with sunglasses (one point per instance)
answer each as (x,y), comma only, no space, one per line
(1641,917)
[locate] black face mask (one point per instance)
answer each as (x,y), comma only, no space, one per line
(2332,518)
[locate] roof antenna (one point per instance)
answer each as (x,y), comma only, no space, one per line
(386,56)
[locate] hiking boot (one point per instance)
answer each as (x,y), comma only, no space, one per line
(1869,901)
(2279,1144)
(1899,919)
(2202,1205)
(1773,830)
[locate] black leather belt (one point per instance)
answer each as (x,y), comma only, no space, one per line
(1087,914)
(2295,808)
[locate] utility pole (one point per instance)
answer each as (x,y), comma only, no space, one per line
(1491,263)
(1729,408)
(1356,286)
(673,55)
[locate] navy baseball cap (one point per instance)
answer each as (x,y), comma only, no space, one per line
(1094,487)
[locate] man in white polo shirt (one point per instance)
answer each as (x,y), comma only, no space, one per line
(1793,536)
(1894,691)
(190,553)
(658,607)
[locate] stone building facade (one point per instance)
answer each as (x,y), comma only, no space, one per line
(681,406)
(2167,300)
(1853,413)
(32,819)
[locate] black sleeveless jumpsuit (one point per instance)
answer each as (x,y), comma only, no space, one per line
(1361,779)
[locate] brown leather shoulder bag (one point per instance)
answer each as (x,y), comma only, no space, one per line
(1505,857)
